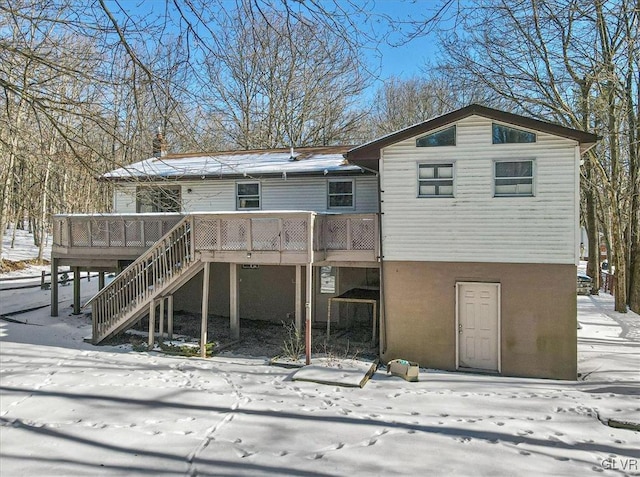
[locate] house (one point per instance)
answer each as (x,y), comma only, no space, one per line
(480,237)
(464,228)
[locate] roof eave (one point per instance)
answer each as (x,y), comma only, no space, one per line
(371,151)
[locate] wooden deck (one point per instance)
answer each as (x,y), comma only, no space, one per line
(106,241)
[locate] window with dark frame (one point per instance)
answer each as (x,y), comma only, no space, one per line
(445,137)
(247,195)
(155,199)
(435,180)
(513,178)
(340,193)
(505,135)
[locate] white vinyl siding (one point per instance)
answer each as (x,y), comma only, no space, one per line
(292,193)
(475,226)
(124,199)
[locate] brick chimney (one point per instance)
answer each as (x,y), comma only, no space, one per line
(159,145)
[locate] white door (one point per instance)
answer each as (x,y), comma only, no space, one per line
(478,325)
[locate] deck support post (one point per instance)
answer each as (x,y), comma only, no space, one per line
(54,286)
(234,302)
(205,310)
(298,309)
(76,290)
(170,317)
(100,280)
(161,321)
(308,304)
(152,322)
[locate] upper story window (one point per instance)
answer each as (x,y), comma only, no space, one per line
(444,137)
(340,193)
(247,195)
(435,180)
(155,198)
(506,135)
(513,178)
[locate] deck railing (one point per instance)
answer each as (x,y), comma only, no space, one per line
(285,232)
(111,230)
(278,232)
(353,233)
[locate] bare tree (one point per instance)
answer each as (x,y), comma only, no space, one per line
(574,62)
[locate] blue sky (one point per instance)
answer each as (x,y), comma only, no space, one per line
(393,58)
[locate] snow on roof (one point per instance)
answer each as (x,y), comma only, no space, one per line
(320,160)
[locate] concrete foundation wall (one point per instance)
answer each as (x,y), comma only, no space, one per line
(538,315)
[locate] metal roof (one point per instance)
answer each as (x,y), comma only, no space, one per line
(227,164)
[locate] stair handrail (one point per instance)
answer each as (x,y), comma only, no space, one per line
(145,256)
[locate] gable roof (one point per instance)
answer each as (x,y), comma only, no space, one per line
(327,160)
(370,151)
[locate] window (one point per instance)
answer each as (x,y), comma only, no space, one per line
(513,178)
(445,137)
(247,195)
(158,199)
(340,193)
(435,180)
(506,135)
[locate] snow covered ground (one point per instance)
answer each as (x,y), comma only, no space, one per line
(70,408)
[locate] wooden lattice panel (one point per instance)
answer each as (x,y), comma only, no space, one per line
(233,234)
(294,233)
(80,234)
(116,233)
(133,233)
(336,238)
(265,234)
(99,233)
(206,234)
(363,234)
(152,232)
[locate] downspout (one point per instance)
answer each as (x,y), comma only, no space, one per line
(383,322)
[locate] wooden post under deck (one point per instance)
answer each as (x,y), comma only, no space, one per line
(234,308)
(298,309)
(161,321)
(170,317)
(152,322)
(54,286)
(100,280)
(205,310)
(76,290)
(307,330)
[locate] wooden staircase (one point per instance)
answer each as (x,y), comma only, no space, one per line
(158,272)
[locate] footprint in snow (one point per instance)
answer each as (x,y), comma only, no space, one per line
(243,453)
(524,452)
